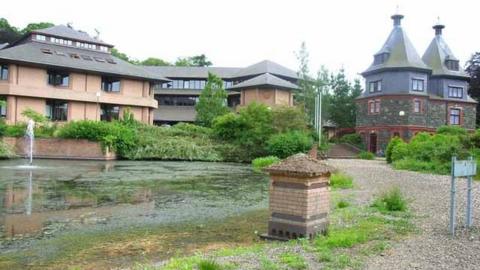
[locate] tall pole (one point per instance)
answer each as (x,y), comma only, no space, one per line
(320,126)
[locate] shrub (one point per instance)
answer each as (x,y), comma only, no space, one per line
(35,116)
(17,130)
(6,151)
(422,166)
(262,162)
(209,265)
(340,180)
(399,151)
(392,200)
(354,139)
(3,127)
(388,152)
(286,144)
(228,127)
(366,155)
(286,118)
(342,204)
(451,130)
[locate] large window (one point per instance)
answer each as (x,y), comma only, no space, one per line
(455,116)
(58,78)
(455,92)
(3,107)
(56,110)
(172,100)
(418,85)
(375,86)
(3,72)
(109,112)
(110,84)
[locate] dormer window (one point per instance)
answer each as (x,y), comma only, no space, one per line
(40,37)
(452,64)
(418,85)
(380,58)
(375,86)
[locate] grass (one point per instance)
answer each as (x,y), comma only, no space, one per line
(267,264)
(366,155)
(209,265)
(342,204)
(392,201)
(341,181)
(262,162)
(293,260)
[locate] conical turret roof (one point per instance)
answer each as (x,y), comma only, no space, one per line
(398,51)
(438,53)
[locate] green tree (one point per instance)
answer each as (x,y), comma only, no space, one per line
(8,33)
(152,61)
(36,26)
(342,109)
(212,101)
(193,61)
(123,56)
(183,62)
(473,69)
(308,90)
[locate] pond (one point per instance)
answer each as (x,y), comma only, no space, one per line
(99,214)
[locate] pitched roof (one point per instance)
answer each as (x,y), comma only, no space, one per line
(31,52)
(266,66)
(68,32)
(265,79)
(192,72)
(400,50)
(436,54)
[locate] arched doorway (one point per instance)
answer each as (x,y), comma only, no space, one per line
(373,143)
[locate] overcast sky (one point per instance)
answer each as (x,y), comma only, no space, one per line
(338,33)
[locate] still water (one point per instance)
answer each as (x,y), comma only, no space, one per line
(57,197)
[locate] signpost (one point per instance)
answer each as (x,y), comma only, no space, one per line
(462,168)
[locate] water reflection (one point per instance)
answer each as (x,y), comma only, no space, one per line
(71,195)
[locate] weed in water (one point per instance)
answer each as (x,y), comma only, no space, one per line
(340,180)
(293,260)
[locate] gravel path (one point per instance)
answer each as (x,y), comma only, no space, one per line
(429,196)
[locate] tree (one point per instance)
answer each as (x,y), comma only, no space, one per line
(343,109)
(152,61)
(36,26)
(212,101)
(8,33)
(308,90)
(473,69)
(193,61)
(183,62)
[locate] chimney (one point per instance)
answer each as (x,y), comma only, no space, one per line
(397,18)
(438,27)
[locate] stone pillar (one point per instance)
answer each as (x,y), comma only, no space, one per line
(299,198)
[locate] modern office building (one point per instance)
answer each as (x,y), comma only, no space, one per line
(406,94)
(68,75)
(264,82)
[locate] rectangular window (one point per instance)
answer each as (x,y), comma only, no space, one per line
(3,107)
(56,110)
(418,85)
(4,72)
(455,92)
(110,84)
(40,37)
(173,100)
(377,106)
(455,116)
(186,84)
(375,86)
(202,84)
(58,78)
(417,106)
(109,112)
(374,106)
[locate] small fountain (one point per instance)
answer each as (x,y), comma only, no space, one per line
(29,133)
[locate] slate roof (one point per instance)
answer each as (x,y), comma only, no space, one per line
(70,33)
(435,56)
(192,72)
(31,53)
(266,66)
(265,79)
(402,53)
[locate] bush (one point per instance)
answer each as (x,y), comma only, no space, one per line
(399,151)
(353,139)
(262,162)
(286,118)
(286,144)
(209,265)
(6,151)
(3,127)
(340,180)
(17,130)
(391,201)
(366,155)
(422,166)
(342,204)
(452,130)
(228,127)
(388,152)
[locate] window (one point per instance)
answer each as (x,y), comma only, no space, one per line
(109,112)
(374,106)
(418,85)
(455,92)
(375,86)
(103,49)
(452,64)
(380,58)
(417,106)
(186,84)
(58,78)
(455,116)
(166,85)
(173,100)
(56,110)
(4,72)
(40,37)
(110,84)
(75,56)
(3,107)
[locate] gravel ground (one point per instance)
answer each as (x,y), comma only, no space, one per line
(429,195)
